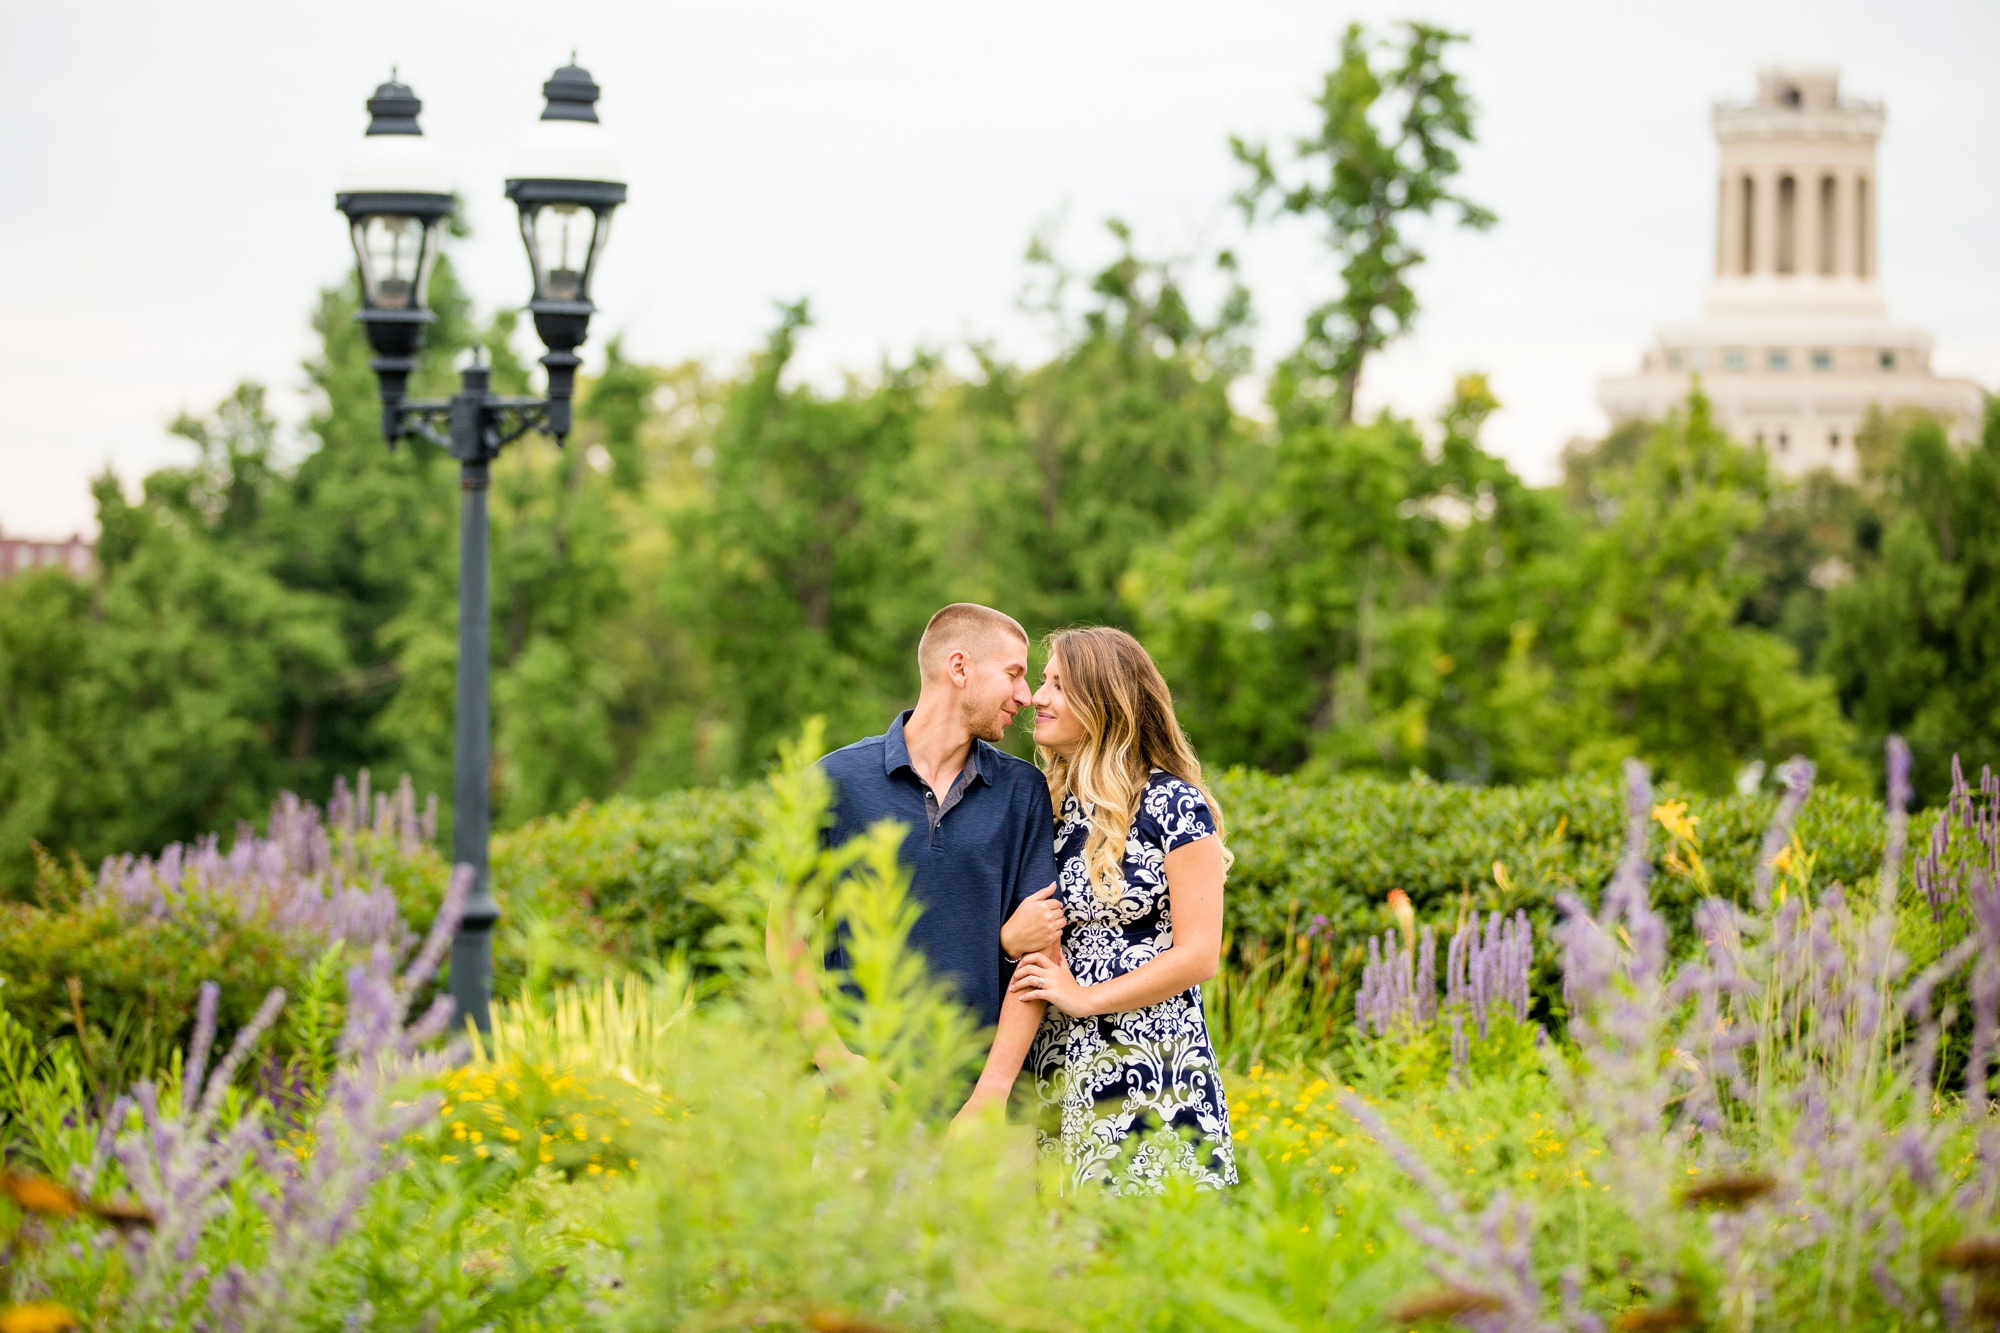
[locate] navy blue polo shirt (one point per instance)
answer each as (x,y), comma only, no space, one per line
(973,853)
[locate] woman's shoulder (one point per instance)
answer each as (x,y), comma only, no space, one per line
(1176,809)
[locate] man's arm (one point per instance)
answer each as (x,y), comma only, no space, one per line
(799,985)
(1019,1019)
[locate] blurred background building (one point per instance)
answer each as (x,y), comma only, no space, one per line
(1797,345)
(19,555)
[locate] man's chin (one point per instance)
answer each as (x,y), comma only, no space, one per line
(995,730)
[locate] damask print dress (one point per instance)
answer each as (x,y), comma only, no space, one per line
(1130,1099)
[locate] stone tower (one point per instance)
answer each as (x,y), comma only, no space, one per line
(1796,346)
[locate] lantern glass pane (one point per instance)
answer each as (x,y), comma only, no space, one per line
(391,249)
(564,240)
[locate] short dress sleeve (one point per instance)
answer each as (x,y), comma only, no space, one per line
(1173,813)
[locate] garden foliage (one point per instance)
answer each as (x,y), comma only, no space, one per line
(658,1152)
(115,962)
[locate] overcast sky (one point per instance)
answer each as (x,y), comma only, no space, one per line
(169,167)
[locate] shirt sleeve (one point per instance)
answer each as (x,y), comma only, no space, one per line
(1037,868)
(831,820)
(1173,814)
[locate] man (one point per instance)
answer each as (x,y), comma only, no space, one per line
(980,840)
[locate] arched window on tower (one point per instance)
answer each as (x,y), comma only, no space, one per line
(1788,216)
(1826,232)
(1748,255)
(1864,228)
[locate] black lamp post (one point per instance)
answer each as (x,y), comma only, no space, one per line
(566,181)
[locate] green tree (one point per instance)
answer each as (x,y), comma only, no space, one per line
(1350,597)
(257,623)
(1037,485)
(1662,664)
(1914,639)
(155,702)
(796,567)
(1386,151)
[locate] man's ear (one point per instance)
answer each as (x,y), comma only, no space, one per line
(958,667)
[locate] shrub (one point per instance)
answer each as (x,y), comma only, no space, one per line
(628,883)
(614,885)
(117,960)
(233,1213)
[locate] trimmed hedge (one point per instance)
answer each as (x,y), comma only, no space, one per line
(622,884)
(621,877)
(1338,848)
(615,883)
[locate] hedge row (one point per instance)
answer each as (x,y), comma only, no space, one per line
(621,884)
(622,878)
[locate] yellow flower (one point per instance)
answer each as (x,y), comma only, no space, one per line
(37,1317)
(1673,816)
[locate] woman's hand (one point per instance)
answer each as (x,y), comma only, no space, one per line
(1046,976)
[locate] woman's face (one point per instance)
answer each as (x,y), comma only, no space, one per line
(1056,727)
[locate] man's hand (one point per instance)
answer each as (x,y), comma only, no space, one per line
(1037,924)
(984,1104)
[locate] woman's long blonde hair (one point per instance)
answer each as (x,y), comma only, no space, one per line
(1120,699)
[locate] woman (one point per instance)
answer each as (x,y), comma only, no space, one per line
(1123,1067)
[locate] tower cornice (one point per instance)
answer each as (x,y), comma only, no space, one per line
(1853,120)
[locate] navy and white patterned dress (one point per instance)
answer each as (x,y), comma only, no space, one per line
(1130,1099)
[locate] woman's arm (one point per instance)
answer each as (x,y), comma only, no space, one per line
(1194,888)
(1019,1018)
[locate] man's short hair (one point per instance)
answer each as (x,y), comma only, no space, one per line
(964,627)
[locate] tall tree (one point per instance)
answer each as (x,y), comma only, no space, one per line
(1914,638)
(796,565)
(1349,597)
(1663,663)
(1040,483)
(1386,151)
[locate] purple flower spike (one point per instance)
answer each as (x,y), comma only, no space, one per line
(1899,818)
(299,875)
(1797,775)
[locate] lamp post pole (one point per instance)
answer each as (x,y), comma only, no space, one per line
(472,793)
(566,184)
(474,425)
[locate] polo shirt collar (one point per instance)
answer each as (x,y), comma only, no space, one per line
(896,752)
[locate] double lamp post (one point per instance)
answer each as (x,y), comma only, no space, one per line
(565,181)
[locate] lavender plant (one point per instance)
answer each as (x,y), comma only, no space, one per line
(1768,1114)
(1485,975)
(216,1173)
(318,878)
(1964,844)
